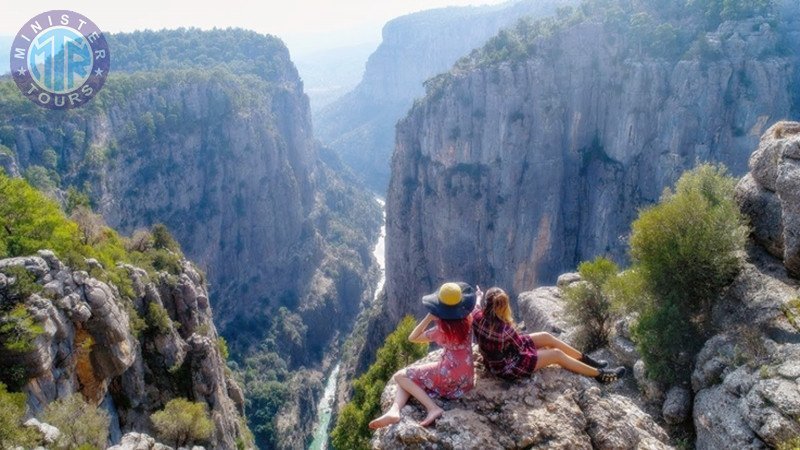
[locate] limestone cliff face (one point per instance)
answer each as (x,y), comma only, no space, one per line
(89,347)
(217,144)
(227,161)
(509,173)
(745,383)
(360,126)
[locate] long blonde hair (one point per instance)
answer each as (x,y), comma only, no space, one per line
(498,303)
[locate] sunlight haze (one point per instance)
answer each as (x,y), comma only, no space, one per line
(305,25)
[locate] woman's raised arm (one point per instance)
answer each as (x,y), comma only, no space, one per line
(417,336)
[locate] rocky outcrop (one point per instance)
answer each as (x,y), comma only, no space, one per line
(555,409)
(770,194)
(87,345)
(745,380)
(360,126)
(214,140)
(139,441)
(512,171)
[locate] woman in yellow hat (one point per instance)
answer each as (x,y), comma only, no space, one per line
(453,375)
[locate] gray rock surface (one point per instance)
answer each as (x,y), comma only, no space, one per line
(745,382)
(48,433)
(677,405)
(652,390)
(139,441)
(555,409)
(770,194)
(542,309)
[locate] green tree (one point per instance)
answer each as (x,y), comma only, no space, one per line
(40,178)
(264,401)
(12,415)
(158,318)
(162,238)
(75,199)
(50,158)
(183,422)
(80,423)
(351,430)
(687,248)
(18,330)
(587,304)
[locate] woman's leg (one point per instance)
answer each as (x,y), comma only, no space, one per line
(557,356)
(434,411)
(547,340)
(393,414)
(405,388)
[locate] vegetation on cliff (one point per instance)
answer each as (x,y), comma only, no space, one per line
(12,415)
(588,304)
(664,29)
(82,426)
(684,250)
(30,221)
(183,422)
(352,431)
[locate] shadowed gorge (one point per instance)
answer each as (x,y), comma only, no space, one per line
(219,149)
(197,257)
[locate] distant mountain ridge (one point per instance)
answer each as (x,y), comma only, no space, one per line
(360,126)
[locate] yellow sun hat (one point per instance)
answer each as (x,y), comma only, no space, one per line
(450,294)
(451,301)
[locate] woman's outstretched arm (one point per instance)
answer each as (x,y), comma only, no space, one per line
(417,336)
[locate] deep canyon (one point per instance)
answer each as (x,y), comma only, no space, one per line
(510,142)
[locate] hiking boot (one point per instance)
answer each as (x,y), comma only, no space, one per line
(589,361)
(610,375)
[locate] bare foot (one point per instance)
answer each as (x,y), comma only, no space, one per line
(385,420)
(433,414)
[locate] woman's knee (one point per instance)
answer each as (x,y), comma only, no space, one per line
(543,339)
(399,374)
(558,354)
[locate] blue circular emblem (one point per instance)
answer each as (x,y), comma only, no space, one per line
(60,59)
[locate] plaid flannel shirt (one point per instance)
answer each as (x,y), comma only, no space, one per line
(506,353)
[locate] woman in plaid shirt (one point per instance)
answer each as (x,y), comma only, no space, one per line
(511,355)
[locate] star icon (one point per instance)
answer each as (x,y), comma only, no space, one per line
(22,71)
(99,72)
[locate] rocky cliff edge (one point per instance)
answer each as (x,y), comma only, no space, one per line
(88,346)
(744,390)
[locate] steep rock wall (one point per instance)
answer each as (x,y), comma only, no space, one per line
(511,173)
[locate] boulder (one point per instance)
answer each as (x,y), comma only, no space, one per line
(542,309)
(677,405)
(770,194)
(139,441)
(554,409)
(49,433)
(652,390)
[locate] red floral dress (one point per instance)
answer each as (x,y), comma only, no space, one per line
(450,377)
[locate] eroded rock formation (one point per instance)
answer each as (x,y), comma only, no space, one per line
(88,346)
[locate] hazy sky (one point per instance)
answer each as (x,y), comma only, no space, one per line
(305,25)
